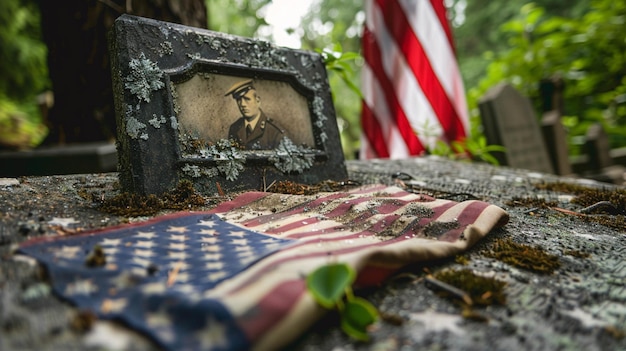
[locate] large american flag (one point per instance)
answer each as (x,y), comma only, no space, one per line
(234,278)
(413,92)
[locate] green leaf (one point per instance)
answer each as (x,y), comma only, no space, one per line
(329,283)
(357,315)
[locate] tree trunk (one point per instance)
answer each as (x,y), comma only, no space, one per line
(75,32)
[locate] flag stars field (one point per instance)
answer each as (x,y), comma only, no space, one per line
(113,305)
(207,232)
(180,265)
(146,235)
(241,242)
(177,255)
(239,234)
(178,246)
(214,265)
(205,240)
(177,229)
(81,287)
(68,252)
(143,253)
(209,224)
(144,244)
(212,256)
(110,242)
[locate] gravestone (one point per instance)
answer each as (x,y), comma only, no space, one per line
(597,147)
(509,120)
(183,97)
(599,161)
(555,137)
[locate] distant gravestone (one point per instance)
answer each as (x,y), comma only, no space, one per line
(555,137)
(509,120)
(600,164)
(597,147)
(225,112)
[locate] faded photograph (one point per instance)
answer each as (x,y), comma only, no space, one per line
(257,114)
(253,129)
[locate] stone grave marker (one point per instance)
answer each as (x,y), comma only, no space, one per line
(597,147)
(509,120)
(600,164)
(183,97)
(555,137)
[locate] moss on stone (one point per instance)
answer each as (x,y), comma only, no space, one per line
(523,256)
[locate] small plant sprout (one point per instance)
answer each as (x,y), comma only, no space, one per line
(329,285)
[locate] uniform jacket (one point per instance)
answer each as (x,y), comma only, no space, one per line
(266,134)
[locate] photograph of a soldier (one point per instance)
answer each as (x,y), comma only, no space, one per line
(253,129)
(213,107)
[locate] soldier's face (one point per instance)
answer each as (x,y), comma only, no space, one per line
(249,104)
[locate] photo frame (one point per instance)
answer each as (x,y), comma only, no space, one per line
(184,97)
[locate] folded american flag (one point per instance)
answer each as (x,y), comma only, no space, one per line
(234,277)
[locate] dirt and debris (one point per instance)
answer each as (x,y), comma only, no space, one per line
(183,197)
(480,290)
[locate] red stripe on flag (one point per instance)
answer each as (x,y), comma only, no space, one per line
(419,63)
(372,55)
(271,309)
(373,131)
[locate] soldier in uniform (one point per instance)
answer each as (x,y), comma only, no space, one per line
(253,130)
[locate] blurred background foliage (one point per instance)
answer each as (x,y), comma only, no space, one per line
(521,42)
(23,74)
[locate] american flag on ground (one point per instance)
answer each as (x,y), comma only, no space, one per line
(413,93)
(234,277)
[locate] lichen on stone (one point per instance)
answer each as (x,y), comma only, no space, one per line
(288,157)
(145,77)
(264,54)
(192,171)
(174,122)
(194,56)
(323,137)
(196,171)
(229,159)
(156,121)
(134,128)
(166,48)
(174,93)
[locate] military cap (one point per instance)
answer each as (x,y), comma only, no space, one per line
(239,89)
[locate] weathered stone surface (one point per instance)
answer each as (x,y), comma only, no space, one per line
(580,306)
(509,120)
(173,113)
